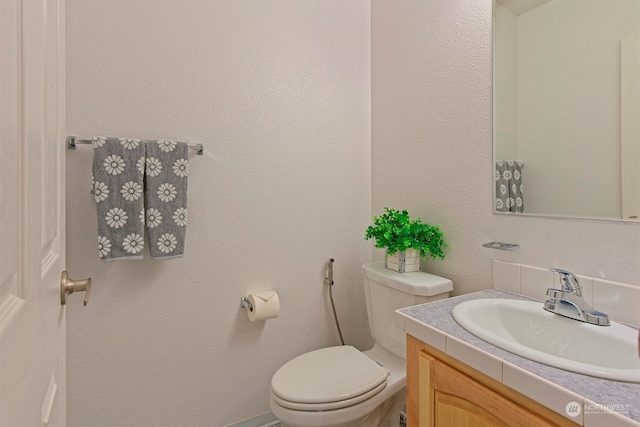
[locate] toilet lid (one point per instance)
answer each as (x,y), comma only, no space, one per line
(327,375)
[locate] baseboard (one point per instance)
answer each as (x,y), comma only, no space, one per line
(264,420)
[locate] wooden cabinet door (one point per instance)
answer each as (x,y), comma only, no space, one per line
(449,398)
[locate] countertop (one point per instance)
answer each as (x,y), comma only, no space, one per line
(433,322)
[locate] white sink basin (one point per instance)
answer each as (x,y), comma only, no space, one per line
(526,329)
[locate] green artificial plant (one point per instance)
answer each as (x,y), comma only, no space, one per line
(396,232)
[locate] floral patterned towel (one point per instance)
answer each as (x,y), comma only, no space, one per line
(118,192)
(509,194)
(167,170)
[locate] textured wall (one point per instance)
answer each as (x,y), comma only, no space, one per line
(431,149)
(279,92)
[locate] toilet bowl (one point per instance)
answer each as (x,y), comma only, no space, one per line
(344,387)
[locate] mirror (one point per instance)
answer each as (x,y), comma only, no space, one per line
(566,101)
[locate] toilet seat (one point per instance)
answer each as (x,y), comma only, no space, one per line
(330,405)
(326,379)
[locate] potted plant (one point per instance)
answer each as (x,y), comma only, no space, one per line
(405,241)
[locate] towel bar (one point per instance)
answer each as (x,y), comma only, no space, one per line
(72,142)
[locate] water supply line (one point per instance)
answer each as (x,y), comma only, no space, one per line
(329,281)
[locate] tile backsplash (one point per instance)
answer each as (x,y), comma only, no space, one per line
(620,301)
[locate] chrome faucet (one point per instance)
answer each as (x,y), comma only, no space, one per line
(569,302)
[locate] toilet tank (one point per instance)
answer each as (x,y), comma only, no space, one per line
(387,290)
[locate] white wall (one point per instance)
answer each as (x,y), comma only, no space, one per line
(279,92)
(431,126)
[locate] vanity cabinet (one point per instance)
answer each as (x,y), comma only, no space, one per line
(443,392)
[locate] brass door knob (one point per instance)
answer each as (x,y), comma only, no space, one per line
(69,286)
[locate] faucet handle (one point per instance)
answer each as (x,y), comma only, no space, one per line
(569,281)
(554,294)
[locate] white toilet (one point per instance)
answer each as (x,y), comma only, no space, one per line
(344,387)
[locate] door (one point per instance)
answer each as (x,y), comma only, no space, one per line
(32,246)
(630,124)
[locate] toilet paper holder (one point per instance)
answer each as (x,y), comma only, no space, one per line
(245,303)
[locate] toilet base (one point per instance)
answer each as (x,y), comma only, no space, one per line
(387,414)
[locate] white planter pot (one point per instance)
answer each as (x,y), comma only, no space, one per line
(403,262)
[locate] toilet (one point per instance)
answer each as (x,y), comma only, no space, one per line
(344,387)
